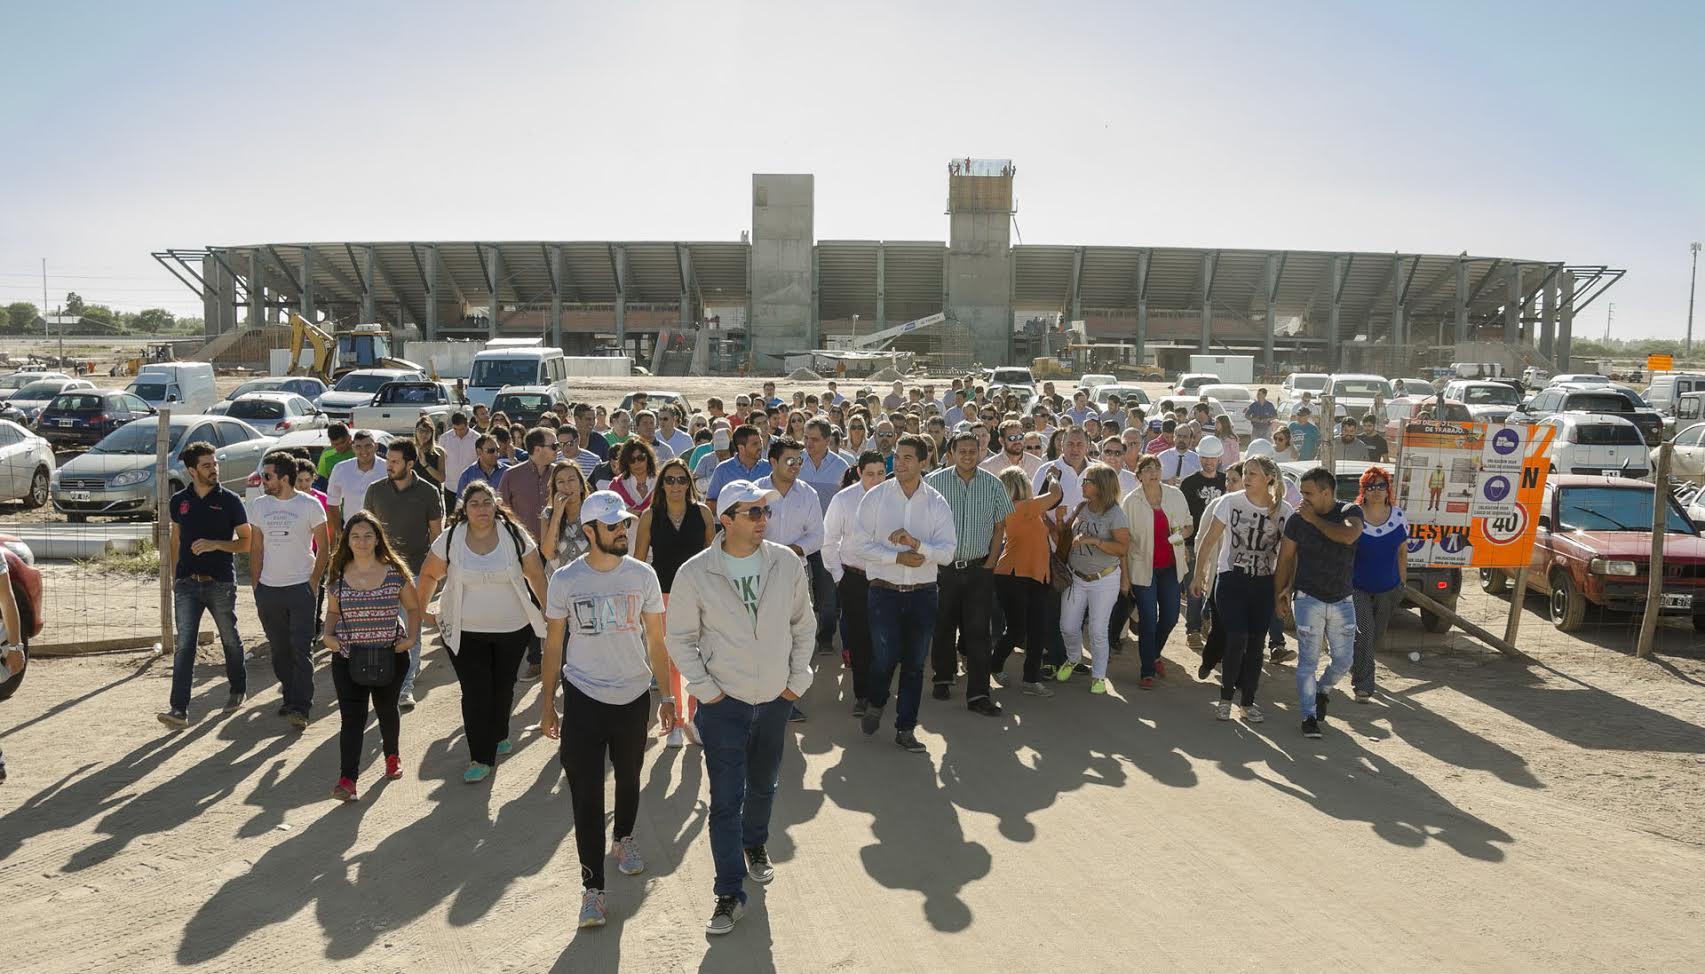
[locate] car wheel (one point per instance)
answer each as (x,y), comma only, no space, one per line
(1494,581)
(1568,605)
(38,489)
(1437,623)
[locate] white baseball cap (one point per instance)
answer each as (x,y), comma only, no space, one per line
(737,492)
(1210,447)
(605,506)
(719,438)
(1259,447)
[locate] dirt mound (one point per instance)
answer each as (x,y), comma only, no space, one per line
(804,375)
(888,375)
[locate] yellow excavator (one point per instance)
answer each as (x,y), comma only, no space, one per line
(366,346)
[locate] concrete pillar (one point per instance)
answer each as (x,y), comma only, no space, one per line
(257,290)
(1207,302)
(782,268)
(1399,340)
(1461,300)
(1271,314)
(496,291)
(431,327)
(307,283)
(881,286)
(814,334)
(1565,320)
(1142,305)
(368,286)
(1334,355)
(556,295)
(1074,301)
(1512,307)
(1548,315)
(622,301)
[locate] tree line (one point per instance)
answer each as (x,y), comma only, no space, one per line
(20,318)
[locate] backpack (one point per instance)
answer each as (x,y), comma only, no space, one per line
(514,536)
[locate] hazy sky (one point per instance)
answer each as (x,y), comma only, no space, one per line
(1548,131)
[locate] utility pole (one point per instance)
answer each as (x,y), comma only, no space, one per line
(1609,315)
(44,297)
(1692,285)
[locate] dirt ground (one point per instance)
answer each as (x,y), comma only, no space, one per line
(1481,815)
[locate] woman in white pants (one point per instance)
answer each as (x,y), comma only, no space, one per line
(1099,536)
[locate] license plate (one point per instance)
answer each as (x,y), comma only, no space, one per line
(77,495)
(1679,601)
(66,423)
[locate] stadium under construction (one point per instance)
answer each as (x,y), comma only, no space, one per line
(722,306)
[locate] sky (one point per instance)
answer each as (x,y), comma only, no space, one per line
(1544,131)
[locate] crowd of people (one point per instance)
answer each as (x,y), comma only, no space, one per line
(711,558)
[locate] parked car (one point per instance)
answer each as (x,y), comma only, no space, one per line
(1443,585)
(1091,381)
(1413,387)
(1215,409)
(1489,402)
(26,465)
(1128,395)
(315,441)
(1234,399)
(357,389)
(1604,398)
(1577,379)
(1688,460)
(525,404)
(1297,383)
(116,476)
(1353,394)
(1592,548)
(1400,411)
(84,416)
(1025,394)
(10,384)
(654,397)
(33,398)
(185,387)
(1011,375)
(1593,443)
(398,406)
(307,387)
(1190,382)
(274,413)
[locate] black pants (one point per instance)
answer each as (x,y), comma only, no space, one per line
(1213,647)
(1116,620)
(966,594)
(1024,601)
(854,595)
(1243,608)
(535,649)
(352,700)
(590,730)
(486,665)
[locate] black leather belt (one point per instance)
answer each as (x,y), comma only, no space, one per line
(964,564)
(894,587)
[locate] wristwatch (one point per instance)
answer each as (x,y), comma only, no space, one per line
(667,700)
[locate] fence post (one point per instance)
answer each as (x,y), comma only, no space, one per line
(1655,570)
(163,524)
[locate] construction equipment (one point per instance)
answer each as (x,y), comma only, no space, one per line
(365,346)
(151,353)
(877,340)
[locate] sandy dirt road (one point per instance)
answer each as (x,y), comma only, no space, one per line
(1481,816)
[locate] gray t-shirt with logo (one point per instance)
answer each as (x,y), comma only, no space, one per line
(1090,561)
(605,655)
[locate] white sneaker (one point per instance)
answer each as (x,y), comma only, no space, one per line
(1222,710)
(677,736)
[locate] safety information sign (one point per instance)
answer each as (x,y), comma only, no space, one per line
(1472,491)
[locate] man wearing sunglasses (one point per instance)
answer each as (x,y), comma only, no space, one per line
(740,631)
(487,466)
(885,444)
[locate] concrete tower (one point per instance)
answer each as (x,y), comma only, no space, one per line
(979,248)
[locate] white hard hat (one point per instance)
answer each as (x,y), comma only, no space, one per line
(1211,447)
(1259,447)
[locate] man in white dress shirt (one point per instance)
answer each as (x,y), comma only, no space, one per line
(796,520)
(904,535)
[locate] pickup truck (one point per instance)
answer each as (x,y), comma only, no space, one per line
(398,406)
(357,389)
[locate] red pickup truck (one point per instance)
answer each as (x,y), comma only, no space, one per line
(1594,545)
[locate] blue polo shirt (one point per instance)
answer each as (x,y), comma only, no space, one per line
(214,517)
(730,470)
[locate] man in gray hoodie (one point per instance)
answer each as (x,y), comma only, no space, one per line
(741,629)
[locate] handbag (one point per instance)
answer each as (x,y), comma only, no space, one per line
(1059,570)
(372,664)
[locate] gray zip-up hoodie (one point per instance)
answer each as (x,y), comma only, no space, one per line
(717,645)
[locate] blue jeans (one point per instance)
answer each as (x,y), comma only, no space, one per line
(1157,613)
(189,598)
(742,757)
(901,627)
(1054,653)
(1333,623)
(1193,605)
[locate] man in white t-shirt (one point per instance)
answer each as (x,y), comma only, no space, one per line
(610,608)
(288,549)
(346,488)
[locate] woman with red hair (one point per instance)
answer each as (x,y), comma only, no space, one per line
(1382,559)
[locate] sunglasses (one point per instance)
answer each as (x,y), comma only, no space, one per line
(753,513)
(1378,486)
(1017,438)
(490,451)
(793,461)
(677,481)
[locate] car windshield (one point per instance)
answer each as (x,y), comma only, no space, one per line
(256,409)
(359,382)
(137,438)
(1611,508)
(1361,388)
(530,403)
(415,395)
(150,390)
(1607,434)
(1308,383)
(256,385)
(1605,402)
(1010,376)
(1500,395)
(40,390)
(1234,393)
(495,373)
(1635,398)
(75,403)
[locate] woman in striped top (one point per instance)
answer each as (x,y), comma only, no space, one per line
(370,599)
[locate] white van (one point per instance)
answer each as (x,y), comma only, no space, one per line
(183,387)
(515,362)
(1668,387)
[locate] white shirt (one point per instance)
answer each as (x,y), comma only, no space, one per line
(1027,462)
(681,442)
(925,516)
(458,452)
(347,486)
(1071,484)
(287,537)
(1175,466)
(1127,482)
(795,519)
(838,527)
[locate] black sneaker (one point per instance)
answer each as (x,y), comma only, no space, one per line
(235,700)
(984,706)
(824,649)
(175,719)
(909,741)
(1321,701)
(1281,655)
(871,719)
(758,865)
(728,912)
(859,707)
(1310,727)
(942,691)
(1205,670)
(795,715)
